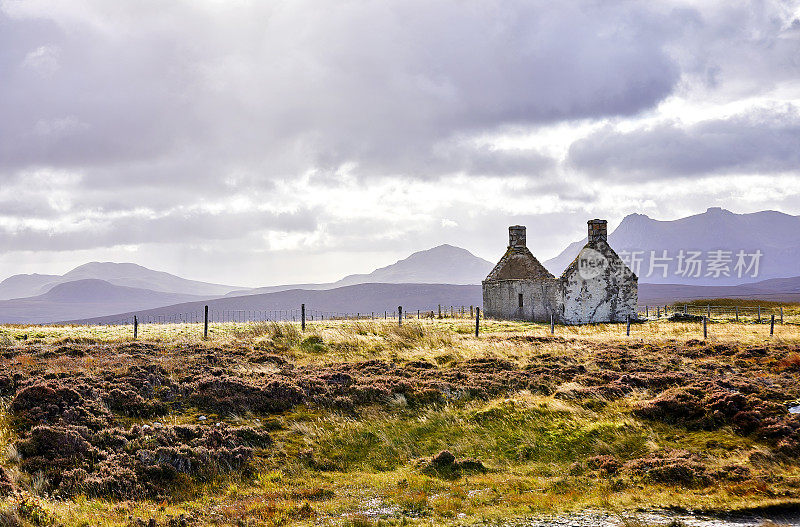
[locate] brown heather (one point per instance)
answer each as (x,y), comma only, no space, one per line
(366,422)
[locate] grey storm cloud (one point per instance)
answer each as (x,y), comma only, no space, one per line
(293,86)
(173,107)
(763,140)
(187,227)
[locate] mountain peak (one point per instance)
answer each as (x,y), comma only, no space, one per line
(776,235)
(116,273)
(443,264)
(106,266)
(635,218)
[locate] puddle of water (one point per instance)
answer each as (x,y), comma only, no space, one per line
(654,518)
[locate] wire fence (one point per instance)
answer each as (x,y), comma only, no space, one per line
(757,314)
(290,315)
(748,314)
(771,314)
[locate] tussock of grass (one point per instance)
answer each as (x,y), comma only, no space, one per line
(283,332)
(524,430)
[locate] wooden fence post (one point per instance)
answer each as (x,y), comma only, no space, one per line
(477,321)
(708,311)
(772,326)
(647,311)
(685,309)
(781,314)
(759,314)
(737,313)
(472,311)
(135,327)
(705,328)
(440,310)
(205,324)
(302,317)
(658,311)
(552,325)
(399,315)
(629,326)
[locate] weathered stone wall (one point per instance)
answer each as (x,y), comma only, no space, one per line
(540,298)
(598,287)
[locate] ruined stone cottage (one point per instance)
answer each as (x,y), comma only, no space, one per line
(596,287)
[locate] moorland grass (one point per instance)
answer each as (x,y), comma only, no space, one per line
(362,466)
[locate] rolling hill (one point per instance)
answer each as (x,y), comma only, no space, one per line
(775,289)
(84,299)
(121,274)
(359,298)
(444,264)
(377,298)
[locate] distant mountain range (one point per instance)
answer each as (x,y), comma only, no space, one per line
(775,289)
(376,298)
(97,289)
(774,234)
(85,299)
(443,274)
(444,264)
(122,274)
(360,298)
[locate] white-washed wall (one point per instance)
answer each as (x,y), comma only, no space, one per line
(610,296)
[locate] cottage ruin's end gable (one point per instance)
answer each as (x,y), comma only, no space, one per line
(596,287)
(518,263)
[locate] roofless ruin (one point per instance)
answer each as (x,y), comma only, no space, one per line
(596,287)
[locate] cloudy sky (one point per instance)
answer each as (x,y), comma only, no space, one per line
(263,142)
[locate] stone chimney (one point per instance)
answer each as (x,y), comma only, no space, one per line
(598,230)
(516,236)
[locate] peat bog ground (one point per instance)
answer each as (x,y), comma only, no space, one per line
(368,423)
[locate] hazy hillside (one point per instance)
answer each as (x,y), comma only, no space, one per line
(776,289)
(22,285)
(444,264)
(775,234)
(104,289)
(84,299)
(363,298)
(122,274)
(366,298)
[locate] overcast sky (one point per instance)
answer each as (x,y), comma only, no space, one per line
(260,142)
